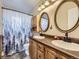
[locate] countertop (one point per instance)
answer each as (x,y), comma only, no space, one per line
(47,41)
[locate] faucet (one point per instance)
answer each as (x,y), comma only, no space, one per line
(66,38)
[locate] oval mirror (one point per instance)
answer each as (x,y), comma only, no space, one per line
(44,22)
(67,15)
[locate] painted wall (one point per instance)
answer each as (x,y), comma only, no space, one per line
(51,12)
(0,18)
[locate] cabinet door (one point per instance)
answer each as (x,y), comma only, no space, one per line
(33,49)
(50,54)
(40,55)
(63,56)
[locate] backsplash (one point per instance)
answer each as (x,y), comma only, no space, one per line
(75,40)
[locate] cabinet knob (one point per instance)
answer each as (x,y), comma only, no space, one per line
(56,58)
(39,56)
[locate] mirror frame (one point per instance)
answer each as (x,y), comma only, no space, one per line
(75,26)
(40,22)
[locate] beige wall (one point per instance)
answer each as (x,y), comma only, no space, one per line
(0,18)
(51,12)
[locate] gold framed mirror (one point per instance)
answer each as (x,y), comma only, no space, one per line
(67,16)
(44,22)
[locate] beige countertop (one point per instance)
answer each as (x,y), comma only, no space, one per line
(47,41)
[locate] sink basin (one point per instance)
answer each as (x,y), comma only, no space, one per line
(66,45)
(38,37)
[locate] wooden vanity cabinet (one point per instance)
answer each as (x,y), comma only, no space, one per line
(41,51)
(54,54)
(61,55)
(50,54)
(33,49)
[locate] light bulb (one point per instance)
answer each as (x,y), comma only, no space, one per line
(52,0)
(42,6)
(39,9)
(47,3)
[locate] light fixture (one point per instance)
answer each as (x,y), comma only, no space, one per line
(39,9)
(42,6)
(52,0)
(47,3)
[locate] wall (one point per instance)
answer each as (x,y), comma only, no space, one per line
(0,18)
(0,29)
(51,12)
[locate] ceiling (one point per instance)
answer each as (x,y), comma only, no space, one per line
(26,6)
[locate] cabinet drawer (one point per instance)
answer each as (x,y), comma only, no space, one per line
(40,47)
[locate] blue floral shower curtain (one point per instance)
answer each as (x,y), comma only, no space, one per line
(16,30)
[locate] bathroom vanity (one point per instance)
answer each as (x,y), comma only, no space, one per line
(44,49)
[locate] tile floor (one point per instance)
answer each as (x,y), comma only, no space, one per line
(16,56)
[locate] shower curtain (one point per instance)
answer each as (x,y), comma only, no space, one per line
(16,31)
